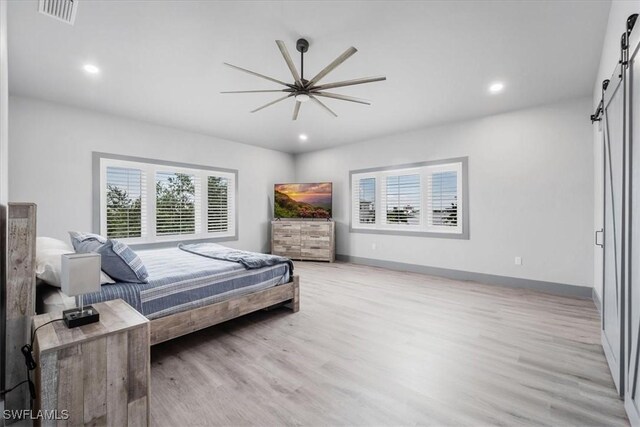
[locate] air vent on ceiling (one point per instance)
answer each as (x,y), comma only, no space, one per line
(62,10)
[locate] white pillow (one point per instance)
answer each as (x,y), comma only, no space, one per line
(48,266)
(44,243)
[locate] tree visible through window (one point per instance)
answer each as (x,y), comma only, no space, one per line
(217,204)
(124,202)
(175,203)
(148,201)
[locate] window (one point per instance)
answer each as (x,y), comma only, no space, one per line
(403,199)
(175,203)
(425,198)
(183,201)
(366,199)
(218,201)
(124,208)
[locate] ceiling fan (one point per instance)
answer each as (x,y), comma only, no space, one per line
(304,90)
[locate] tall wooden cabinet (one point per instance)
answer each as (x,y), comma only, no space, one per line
(304,240)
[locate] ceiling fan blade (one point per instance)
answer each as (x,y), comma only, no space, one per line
(329,68)
(257,91)
(342,97)
(272,102)
(257,74)
(350,82)
(290,64)
(327,109)
(296,110)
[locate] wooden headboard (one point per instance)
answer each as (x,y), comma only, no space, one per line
(19,296)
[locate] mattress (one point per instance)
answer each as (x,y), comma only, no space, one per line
(181,281)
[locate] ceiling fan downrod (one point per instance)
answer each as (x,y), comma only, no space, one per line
(302,46)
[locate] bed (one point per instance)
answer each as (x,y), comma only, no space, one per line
(188,291)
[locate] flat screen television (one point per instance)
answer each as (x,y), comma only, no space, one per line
(313,200)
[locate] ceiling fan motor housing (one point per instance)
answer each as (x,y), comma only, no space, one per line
(302,45)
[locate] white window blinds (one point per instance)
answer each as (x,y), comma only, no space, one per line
(402,199)
(366,200)
(124,203)
(176,202)
(443,199)
(183,203)
(218,201)
(424,199)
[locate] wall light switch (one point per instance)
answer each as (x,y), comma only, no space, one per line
(518,260)
(373,246)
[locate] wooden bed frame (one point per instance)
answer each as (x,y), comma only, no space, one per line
(175,325)
(162,329)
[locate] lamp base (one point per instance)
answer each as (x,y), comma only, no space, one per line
(77,317)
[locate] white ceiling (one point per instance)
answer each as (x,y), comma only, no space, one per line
(161,61)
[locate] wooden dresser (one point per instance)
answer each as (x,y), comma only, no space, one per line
(99,372)
(304,240)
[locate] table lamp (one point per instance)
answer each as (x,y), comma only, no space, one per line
(80,274)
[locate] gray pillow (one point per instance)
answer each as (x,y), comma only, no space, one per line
(86,242)
(121,263)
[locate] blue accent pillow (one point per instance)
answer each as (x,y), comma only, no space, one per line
(121,263)
(86,242)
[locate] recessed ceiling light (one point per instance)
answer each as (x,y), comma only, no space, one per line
(303,137)
(496,87)
(91,69)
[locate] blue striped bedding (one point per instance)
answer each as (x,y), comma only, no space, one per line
(180,281)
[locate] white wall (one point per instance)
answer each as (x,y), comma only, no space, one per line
(530,182)
(50,158)
(530,185)
(618,14)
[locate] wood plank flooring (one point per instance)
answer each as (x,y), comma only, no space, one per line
(379,347)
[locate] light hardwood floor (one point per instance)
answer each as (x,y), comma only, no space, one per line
(378,347)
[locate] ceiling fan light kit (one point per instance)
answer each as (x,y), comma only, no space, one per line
(303,90)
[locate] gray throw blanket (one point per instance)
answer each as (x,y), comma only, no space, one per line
(250,260)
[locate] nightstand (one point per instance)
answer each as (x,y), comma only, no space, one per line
(98,373)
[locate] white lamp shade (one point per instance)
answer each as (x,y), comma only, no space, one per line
(80,273)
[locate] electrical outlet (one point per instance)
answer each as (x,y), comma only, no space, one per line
(373,246)
(518,260)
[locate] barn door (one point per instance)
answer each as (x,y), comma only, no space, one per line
(613,308)
(632,396)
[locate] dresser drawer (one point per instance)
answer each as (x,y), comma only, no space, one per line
(316,253)
(284,227)
(319,228)
(285,238)
(315,242)
(290,251)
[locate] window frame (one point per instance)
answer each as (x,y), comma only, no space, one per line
(424,229)
(150,167)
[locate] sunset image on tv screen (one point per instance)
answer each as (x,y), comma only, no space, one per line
(303,200)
